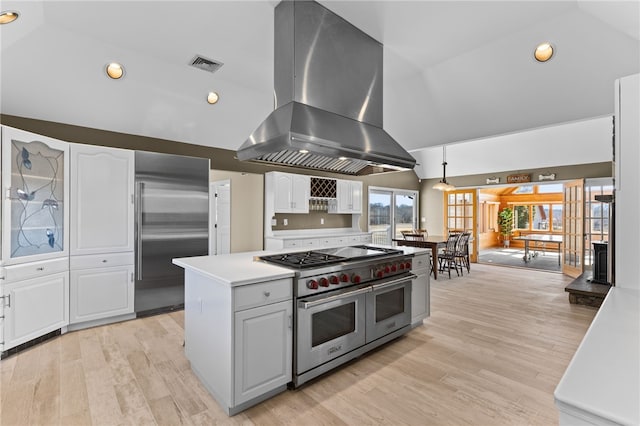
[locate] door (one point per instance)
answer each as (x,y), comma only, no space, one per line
(35,307)
(391,211)
(388,308)
(329,326)
(263,350)
(35,173)
(573,228)
(102,182)
(100,293)
(220,217)
(460,215)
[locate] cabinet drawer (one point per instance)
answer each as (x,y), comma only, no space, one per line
(248,296)
(420,262)
(101,260)
(35,269)
(302,243)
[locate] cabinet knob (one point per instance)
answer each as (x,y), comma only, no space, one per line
(267,293)
(104,260)
(41,268)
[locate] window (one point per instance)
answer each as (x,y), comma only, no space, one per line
(538,217)
(596,220)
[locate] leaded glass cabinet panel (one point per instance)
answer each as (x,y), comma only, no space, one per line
(35,184)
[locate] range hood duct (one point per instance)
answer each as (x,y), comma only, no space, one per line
(328,91)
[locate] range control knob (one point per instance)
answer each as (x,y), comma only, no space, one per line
(407,265)
(355,279)
(387,269)
(312,284)
(394,268)
(401,266)
(344,278)
(380,274)
(323,282)
(334,280)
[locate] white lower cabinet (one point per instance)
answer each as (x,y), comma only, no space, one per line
(101,287)
(263,348)
(420,298)
(101,293)
(34,307)
(239,339)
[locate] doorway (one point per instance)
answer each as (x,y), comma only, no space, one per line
(391,211)
(220,217)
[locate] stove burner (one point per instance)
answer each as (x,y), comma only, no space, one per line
(305,259)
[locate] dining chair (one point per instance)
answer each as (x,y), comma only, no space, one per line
(447,259)
(462,252)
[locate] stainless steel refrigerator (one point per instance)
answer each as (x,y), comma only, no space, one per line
(172,220)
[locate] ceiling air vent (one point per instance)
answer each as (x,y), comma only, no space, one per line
(205,64)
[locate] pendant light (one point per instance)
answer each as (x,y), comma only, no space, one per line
(443,185)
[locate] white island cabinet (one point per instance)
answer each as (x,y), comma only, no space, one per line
(238,327)
(420,267)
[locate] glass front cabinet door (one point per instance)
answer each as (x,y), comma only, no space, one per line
(35,213)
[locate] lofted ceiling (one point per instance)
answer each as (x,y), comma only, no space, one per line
(454,70)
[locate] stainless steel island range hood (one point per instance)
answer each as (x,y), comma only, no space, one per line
(328,88)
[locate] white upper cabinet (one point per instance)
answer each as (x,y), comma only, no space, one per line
(349,196)
(35,213)
(290,192)
(102,209)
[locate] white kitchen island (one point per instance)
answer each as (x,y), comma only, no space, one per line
(238,327)
(239,324)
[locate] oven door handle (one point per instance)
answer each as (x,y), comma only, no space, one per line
(393,282)
(308,305)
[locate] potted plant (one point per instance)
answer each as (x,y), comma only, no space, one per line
(505,223)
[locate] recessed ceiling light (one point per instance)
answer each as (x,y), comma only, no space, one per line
(7,17)
(115,70)
(543,52)
(213,98)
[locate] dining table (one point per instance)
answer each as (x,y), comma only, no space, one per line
(434,242)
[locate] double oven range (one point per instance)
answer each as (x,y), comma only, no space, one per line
(347,301)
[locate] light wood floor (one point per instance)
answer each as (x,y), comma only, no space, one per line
(492,353)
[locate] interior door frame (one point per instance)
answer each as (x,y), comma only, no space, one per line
(215,213)
(474,241)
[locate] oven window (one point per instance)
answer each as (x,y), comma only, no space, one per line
(333,323)
(389,304)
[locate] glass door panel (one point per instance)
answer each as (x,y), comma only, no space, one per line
(573,250)
(404,213)
(34,213)
(380,216)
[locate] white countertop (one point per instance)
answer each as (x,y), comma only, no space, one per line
(234,269)
(240,268)
(603,378)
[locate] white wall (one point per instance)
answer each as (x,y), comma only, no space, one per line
(579,142)
(627,178)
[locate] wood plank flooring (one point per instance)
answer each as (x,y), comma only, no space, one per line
(492,352)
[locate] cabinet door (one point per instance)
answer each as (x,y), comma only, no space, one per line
(102,185)
(300,193)
(263,350)
(35,173)
(282,192)
(420,297)
(100,293)
(35,307)
(356,197)
(344,196)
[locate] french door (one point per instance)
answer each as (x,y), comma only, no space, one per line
(391,211)
(573,228)
(461,215)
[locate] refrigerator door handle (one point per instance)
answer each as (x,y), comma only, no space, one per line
(138,208)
